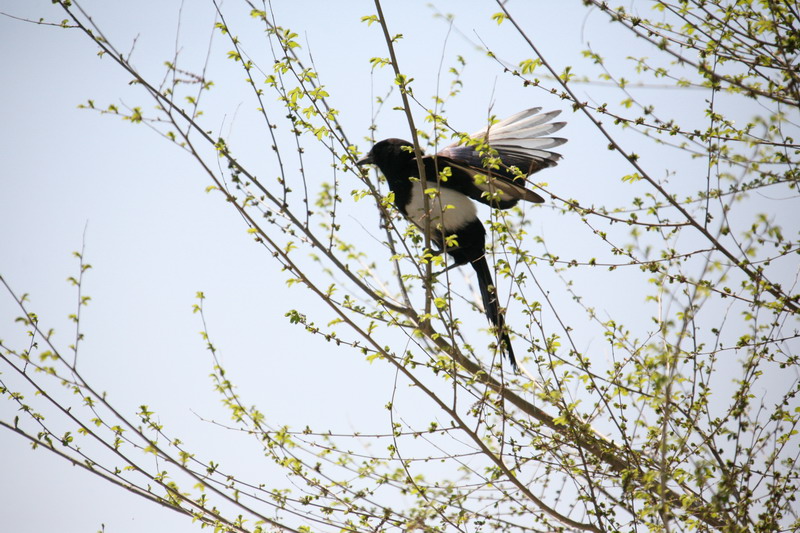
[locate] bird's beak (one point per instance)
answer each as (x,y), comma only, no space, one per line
(366,160)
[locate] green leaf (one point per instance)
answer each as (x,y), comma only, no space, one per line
(370,19)
(499,17)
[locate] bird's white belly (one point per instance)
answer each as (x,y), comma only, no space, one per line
(449,209)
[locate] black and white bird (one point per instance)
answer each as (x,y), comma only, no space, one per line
(463,172)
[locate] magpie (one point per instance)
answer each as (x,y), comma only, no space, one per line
(490,167)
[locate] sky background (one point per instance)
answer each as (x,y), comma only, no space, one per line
(154,236)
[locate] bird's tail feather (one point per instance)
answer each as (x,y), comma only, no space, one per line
(489,296)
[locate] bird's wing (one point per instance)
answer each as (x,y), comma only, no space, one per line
(519,141)
(485,186)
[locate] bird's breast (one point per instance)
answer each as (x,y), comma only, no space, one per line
(447,209)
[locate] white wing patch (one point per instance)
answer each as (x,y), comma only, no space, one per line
(520,140)
(449,210)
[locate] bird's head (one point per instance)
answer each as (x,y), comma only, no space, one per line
(389,153)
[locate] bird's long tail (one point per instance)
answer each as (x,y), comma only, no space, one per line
(493,313)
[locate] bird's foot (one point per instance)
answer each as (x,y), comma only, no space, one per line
(445,269)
